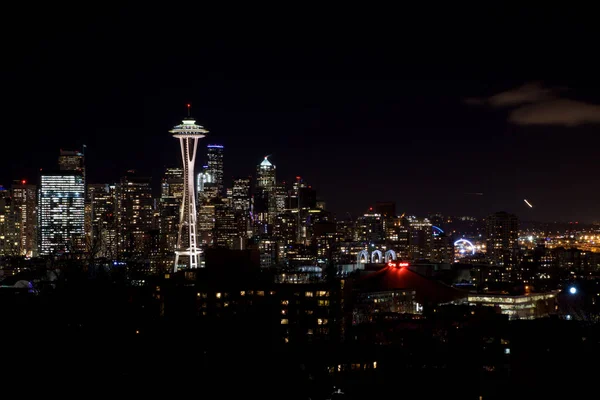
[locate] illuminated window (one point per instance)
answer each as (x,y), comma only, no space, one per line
(283,312)
(218,295)
(243,293)
(322,293)
(226,304)
(309,294)
(309,332)
(285,302)
(374,364)
(322,321)
(260,292)
(309,312)
(272,292)
(323,302)
(284,321)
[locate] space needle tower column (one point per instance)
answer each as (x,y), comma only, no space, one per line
(188,134)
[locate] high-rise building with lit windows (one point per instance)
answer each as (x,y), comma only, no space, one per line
(61,205)
(172,183)
(135,213)
(70,160)
(265,193)
(241,195)
(9,225)
(215,165)
(102,200)
(502,232)
(24,198)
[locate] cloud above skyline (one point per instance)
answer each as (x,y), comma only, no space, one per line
(534,104)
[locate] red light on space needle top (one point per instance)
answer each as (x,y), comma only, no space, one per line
(23,182)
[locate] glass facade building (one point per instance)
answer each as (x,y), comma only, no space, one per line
(61,201)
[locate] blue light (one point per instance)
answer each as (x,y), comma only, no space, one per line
(437,228)
(215,146)
(572,290)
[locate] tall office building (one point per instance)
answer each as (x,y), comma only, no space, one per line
(502,233)
(241,195)
(135,214)
(61,205)
(241,203)
(9,225)
(265,193)
(70,160)
(420,238)
(188,134)
(265,174)
(169,207)
(168,224)
(215,165)
(102,200)
(225,230)
(24,198)
(172,183)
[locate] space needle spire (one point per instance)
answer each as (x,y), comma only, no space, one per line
(188,133)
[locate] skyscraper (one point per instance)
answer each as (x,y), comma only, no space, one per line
(265,192)
(265,174)
(188,134)
(102,200)
(61,205)
(241,195)
(172,183)
(9,225)
(24,197)
(502,232)
(135,207)
(215,165)
(70,160)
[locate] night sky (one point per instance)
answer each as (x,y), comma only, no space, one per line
(365,105)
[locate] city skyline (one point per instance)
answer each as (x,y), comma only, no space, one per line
(362,124)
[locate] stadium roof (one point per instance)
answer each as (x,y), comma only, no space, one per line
(428,291)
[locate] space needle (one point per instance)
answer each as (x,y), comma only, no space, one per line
(188,134)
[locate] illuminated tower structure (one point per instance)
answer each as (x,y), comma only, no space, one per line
(188,134)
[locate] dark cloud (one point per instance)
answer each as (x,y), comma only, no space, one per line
(565,112)
(534,104)
(528,93)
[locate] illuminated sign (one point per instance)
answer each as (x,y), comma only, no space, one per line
(398,265)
